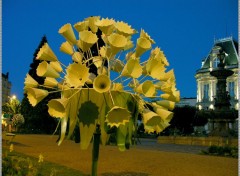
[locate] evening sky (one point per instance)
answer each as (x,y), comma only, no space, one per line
(184,29)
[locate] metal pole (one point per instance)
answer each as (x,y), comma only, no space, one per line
(95,150)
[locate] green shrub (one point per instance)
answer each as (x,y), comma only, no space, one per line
(222,151)
(213,149)
(16,165)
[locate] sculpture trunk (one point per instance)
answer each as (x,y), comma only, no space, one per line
(95,150)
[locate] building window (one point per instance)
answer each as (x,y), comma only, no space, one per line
(231,89)
(216,61)
(205,92)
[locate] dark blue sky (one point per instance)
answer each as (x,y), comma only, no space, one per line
(184,30)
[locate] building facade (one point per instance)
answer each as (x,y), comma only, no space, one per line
(206,84)
(6,88)
(187,102)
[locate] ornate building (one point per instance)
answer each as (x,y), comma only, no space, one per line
(206,84)
(6,88)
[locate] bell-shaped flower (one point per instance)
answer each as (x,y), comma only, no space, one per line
(67,48)
(91,78)
(147,88)
(117,65)
(166,104)
(105,38)
(102,83)
(63,86)
(145,35)
(50,82)
(67,32)
(102,70)
(144,67)
(97,61)
(133,83)
(153,122)
(165,86)
(143,44)
(155,68)
(156,128)
(160,56)
(150,118)
(58,107)
(129,44)
(46,70)
(124,29)
(91,23)
(159,84)
(117,116)
(165,115)
(117,87)
(132,69)
(168,75)
(174,96)
(105,52)
(149,129)
(77,75)
(117,42)
(130,55)
(56,66)
(86,40)
(30,82)
(81,26)
(161,127)
(77,57)
(35,95)
(105,25)
(46,53)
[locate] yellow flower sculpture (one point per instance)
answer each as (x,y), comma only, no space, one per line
(108,82)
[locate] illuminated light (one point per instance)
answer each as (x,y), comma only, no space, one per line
(236,106)
(211,107)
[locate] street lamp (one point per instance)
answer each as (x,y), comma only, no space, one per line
(13,97)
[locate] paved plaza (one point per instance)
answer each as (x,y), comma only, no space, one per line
(146,159)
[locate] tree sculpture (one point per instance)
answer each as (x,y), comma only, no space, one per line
(114,95)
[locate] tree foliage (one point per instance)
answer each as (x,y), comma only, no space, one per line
(37,119)
(12,107)
(182,121)
(201,118)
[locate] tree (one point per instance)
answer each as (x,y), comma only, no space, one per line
(37,119)
(182,120)
(201,118)
(33,66)
(12,107)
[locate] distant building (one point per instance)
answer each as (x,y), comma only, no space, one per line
(187,102)
(206,84)
(6,88)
